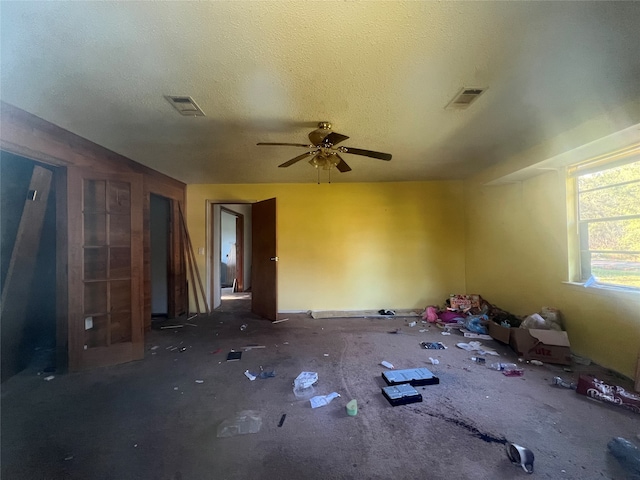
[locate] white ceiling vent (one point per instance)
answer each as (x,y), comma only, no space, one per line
(465,97)
(185,105)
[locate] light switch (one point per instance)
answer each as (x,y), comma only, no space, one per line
(88,323)
(201,251)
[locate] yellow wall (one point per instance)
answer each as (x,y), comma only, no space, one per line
(403,245)
(517,258)
(356,246)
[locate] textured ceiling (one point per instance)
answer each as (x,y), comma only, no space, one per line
(381,72)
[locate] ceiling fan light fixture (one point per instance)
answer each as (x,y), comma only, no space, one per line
(320,161)
(325,160)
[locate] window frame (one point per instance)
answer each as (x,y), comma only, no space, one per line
(583,258)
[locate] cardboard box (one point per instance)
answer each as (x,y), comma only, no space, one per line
(500,333)
(550,346)
(464,302)
(594,388)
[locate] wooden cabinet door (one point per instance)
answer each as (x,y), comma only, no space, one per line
(105,268)
(264,265)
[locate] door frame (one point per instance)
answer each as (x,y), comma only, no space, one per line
(239,246)
(178,302)
(212,247)
(168,255)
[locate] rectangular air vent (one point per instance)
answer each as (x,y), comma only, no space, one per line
(465,97)
(185,105)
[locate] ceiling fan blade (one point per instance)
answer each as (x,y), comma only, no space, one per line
(296,159)
(334,138)
(366,153)
(342,165)
(317,136)
(286,144)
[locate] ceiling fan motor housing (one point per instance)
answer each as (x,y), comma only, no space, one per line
(318,136)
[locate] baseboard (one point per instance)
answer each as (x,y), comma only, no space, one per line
(362,314)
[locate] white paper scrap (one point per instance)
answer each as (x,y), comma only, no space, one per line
(322,400)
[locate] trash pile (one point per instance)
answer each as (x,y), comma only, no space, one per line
(538,336)
(471,311)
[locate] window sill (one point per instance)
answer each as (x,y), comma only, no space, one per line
(607,290)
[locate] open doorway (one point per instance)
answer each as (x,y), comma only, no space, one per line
(230,248)
(159,227)
(231,251)
(27,265)
(260,257)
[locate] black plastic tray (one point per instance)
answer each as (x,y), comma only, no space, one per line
(402,394)
(416,377)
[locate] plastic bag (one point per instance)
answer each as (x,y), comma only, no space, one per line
(430,314)
(534,321)
(627,454)
(553,317)
(246,421)
(306,379)
(548,319)
(476,324)
(303,384)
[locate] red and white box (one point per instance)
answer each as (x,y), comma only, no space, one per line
(597,389)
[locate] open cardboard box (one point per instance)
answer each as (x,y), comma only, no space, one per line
(500,333)
(549,346)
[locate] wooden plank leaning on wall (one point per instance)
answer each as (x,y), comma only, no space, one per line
(22,266)
(27,135)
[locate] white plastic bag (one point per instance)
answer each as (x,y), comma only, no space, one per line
(303,384)
(534,321)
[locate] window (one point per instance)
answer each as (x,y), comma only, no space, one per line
(608,219)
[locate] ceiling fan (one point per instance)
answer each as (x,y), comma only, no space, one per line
(324,152)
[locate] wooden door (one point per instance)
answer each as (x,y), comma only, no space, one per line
(105,268)
(264,274)
(239,253)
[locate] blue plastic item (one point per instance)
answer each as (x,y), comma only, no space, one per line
(627,454)
(476,324)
